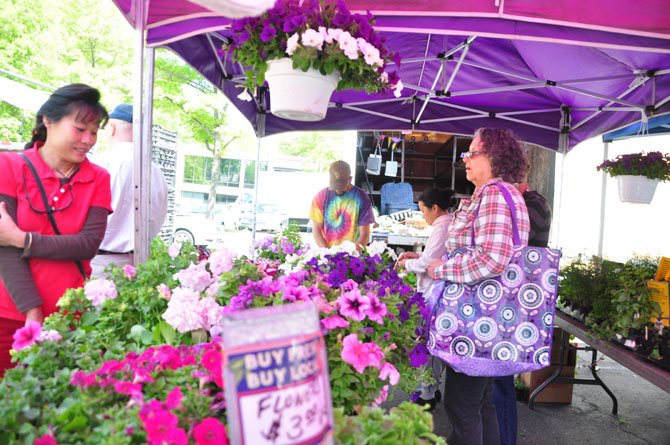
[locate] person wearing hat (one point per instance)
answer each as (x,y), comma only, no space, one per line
(341,212)
(119,241)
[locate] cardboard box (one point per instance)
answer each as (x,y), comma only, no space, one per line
(554,393)
(659,291)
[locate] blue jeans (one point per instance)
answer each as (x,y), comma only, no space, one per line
(504,399)
(469,405)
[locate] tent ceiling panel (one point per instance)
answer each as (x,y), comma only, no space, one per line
(537,67)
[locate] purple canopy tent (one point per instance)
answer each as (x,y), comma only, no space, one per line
(555,71)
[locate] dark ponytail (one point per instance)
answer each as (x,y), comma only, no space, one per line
(74,98)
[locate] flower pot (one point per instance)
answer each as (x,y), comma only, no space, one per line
(637,189)
(299,95)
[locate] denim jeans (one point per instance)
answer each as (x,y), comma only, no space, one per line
(504,399)
(469,405)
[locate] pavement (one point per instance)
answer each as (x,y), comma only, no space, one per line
(643,418)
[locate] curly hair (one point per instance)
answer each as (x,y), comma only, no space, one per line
(507,156)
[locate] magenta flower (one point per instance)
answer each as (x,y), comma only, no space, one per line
(376,309)
(334,322)
(381,398)
(160,426)
(127,388)
(389,371)
(46,439)
(173,399)
(129,271)
(210,432)
(26,336)
(360,355)
(354,305)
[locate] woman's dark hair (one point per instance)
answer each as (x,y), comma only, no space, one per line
(443,198)
(74,98)
(507,156)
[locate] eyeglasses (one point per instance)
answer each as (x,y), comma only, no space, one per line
(53,209)
(467,155)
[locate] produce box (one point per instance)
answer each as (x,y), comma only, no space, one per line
(659,291)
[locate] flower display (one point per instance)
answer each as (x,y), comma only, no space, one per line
(319,35)
(653,165)
(120,358)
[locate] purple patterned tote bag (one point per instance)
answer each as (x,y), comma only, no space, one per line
(501,325)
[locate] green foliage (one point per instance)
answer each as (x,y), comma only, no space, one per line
(406,424)
(613,296)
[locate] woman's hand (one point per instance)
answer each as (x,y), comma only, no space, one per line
(10,234)
(430,269)
(404,257)
(35,314)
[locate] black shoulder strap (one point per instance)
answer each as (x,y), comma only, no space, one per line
(49,209)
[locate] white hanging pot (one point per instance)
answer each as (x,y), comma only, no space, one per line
(637,189)
(299,95)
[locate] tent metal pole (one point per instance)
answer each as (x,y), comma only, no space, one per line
(260,133)
(603,196)
(141,146)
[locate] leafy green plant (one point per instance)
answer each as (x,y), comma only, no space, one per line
(406,424)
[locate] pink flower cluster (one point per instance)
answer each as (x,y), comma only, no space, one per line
(195,276)
(358,306)
(362,355)
(220,261)
(33,333)
(161,419)
(187,312)
(97,291)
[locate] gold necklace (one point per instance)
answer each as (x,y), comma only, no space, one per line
(69,172)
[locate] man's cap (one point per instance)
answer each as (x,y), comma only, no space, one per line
(123,112)
(340,175)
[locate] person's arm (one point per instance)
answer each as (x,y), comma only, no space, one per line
(15,271)
(80,246)
(317,231)
(363,236)
(434,249)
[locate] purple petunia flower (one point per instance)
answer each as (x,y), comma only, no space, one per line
(418,356)
(269,32)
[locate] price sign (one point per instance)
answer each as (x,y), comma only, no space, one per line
(276,377)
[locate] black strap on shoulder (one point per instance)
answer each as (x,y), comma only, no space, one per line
(48,208)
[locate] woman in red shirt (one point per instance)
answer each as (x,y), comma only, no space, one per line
(37,265)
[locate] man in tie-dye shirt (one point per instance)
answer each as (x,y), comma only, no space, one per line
(342,211)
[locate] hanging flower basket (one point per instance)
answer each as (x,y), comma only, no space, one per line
(299,95)
(636,188)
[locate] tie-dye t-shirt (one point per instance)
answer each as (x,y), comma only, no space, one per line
(341,214)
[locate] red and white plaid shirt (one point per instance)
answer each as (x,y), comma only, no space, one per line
(493,234)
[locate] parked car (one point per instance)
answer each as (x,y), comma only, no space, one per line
(191,224)
(269,218)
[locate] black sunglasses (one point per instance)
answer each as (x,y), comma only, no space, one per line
(52,209)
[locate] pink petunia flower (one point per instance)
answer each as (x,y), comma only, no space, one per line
(210,432)
(376,309)
(160,425)
(334,322)
(164,291)
(46,439)
(127,388)
(129,271)
(26,336)
(354,305)
(389,371)
(360,355)
(173,399)
(174,250)
(381,398)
